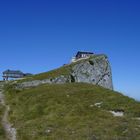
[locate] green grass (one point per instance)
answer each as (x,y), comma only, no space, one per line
(65,70)
(65,110)
(2,132)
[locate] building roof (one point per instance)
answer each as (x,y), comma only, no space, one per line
(12,72)
(84,52)
(80,53)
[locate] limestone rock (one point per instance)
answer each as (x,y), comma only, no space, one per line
(96,71)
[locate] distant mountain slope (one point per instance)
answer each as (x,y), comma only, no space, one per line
(75,111)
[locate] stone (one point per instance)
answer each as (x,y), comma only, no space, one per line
(117,113)
(98,104)
(95,71)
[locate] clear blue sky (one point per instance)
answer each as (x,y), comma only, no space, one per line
(37,36)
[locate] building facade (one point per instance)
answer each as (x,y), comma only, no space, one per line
(83,54)
(13,74)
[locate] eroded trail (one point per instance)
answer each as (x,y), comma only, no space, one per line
(10,131)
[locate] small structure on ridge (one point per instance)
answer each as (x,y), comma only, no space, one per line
(81,55)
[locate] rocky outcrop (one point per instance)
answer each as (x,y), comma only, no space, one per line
(95,70)
(58,80)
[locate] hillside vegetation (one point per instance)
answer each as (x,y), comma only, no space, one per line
(70,112)
(2,133)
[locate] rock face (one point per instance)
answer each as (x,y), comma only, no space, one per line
(95,70)
(58,80)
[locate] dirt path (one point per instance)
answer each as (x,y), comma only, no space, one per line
(10,131)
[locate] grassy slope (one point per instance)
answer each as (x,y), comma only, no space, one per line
(65,112)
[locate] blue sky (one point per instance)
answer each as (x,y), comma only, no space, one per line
(37,36)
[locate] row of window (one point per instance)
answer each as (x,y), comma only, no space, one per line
(13,75)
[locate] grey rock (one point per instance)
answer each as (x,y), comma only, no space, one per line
(96,71)
(58,80)
(61,80)
(29,84)
(33,83)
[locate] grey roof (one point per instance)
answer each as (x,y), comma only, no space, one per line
(13,72)
(87,53)
(84,52)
